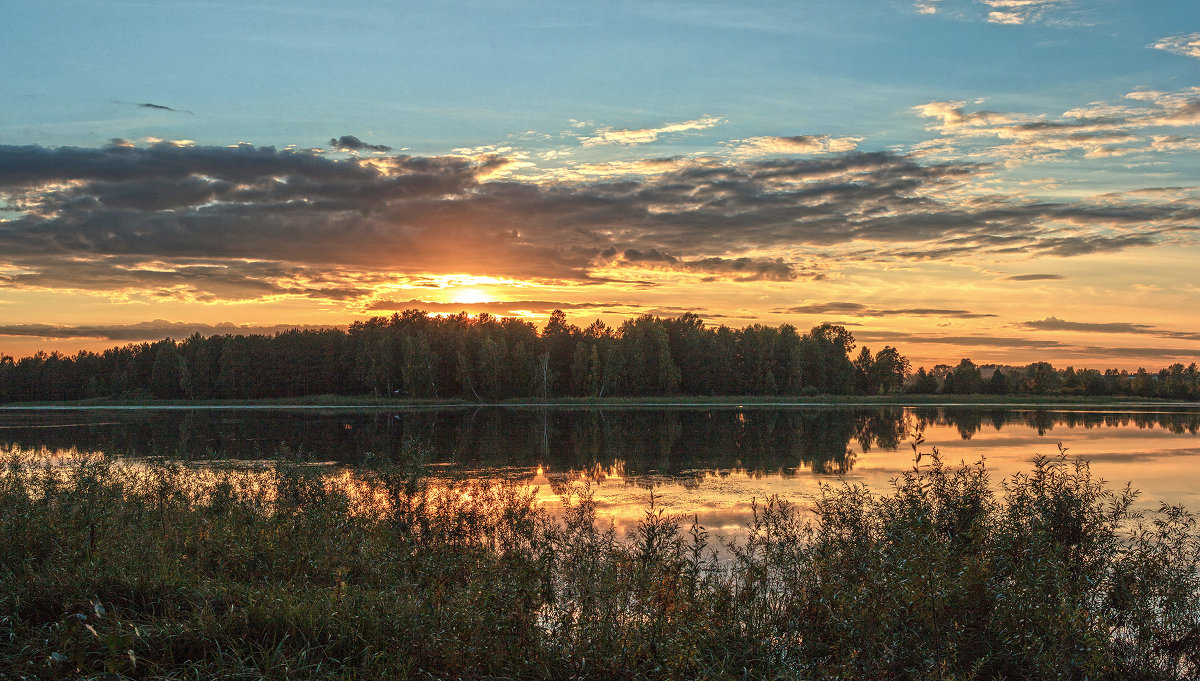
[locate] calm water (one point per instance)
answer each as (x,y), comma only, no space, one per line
(709,462)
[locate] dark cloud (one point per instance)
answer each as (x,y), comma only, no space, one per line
(739,269)
(191,279)
(1034,277)
(160,107)
(1056,324)
(265,221)
(825,308)
(676,311)
(929,312)
(141,331)
(652,255)
(973,341)
(352,143)
(1088,352)
(1055,348)
(1078,245)
(860,310)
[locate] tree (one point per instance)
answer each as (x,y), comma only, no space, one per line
(891,369)
(558,340)
(1071,383)
(789,361)
(8,378)
(649,369)
(201,358)
(826,356)
(756,355)
(924,383)
(998,384)
(492,360)
(417,362)
(165,375)
(690,344)
(1041,378)
(585,370)
(965,379)
(865,382)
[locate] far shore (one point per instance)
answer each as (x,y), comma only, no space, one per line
(669,402)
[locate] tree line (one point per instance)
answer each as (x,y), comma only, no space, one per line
(1175,382)
(414,355)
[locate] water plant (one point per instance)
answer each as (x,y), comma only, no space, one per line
(160,570)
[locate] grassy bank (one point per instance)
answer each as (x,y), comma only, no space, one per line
(162,571)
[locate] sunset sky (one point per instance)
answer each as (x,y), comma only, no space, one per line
(1006,180)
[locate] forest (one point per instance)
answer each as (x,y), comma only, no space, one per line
(413,355)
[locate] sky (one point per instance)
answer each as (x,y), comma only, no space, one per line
(1006,180)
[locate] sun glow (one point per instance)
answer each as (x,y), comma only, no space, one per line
(470,295)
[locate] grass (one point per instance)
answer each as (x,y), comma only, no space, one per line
(295,571)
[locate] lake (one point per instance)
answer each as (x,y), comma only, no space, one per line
(711,462)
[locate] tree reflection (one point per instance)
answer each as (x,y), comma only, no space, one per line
(678,442)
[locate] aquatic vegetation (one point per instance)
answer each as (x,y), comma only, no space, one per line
(299,571)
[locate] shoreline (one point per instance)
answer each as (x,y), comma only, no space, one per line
(688,402)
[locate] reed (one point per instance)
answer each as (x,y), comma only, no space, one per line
(299,571)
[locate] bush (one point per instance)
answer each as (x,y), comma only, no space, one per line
(157,570)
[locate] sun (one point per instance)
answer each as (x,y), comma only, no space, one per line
(470,295)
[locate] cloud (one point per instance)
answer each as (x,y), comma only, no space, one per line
(352,143)
(624,169)
(1019,11)
(1043,348)
(1034,277)
(160,107)
(605,135)
(969,341)
(1056,324)
(860,310)
(144,331)
(242,222)
(799,144)
(1187,45)
(1091,352)
(1063,13)
(825,308)
(929,312)
(497,307)
(191,279)
(739,269)
(1096,131)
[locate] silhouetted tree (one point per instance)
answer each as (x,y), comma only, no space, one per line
(965,379)
(998,384)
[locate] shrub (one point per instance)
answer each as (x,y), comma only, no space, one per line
(159,570)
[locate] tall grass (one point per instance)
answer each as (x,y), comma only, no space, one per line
(295,572)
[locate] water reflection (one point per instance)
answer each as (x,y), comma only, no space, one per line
(666,442)
(707,462)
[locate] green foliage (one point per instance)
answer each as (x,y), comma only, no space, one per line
(157,570)
(413,355)
(416,356)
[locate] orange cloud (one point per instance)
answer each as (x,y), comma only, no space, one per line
(798,144)
(646,135)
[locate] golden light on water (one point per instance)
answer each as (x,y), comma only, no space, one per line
(1163,463)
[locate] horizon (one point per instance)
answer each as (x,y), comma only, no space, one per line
(1005,181)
